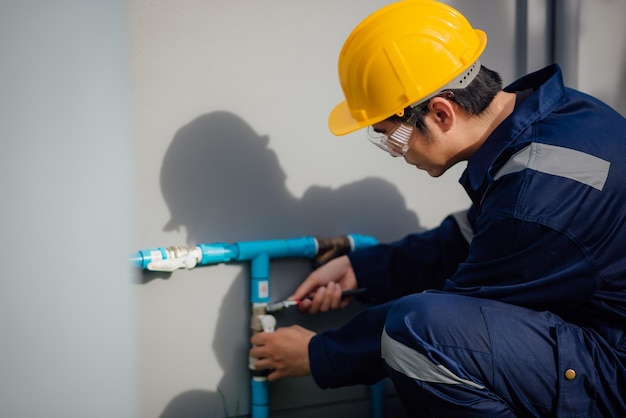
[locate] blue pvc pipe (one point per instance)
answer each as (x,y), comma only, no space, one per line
(223,252)
(142,258)
(260,279)
(377,399)
(260,253)
(259,397)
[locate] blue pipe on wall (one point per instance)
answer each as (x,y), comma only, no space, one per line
(259,253)
(377,399)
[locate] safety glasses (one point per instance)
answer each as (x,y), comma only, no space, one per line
(395,143)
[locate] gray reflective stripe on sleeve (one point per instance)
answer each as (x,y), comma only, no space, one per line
(416,365)
(464,225)
(559,161)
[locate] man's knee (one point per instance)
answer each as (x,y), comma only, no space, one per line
(440,320)
(424,340)
(421,315)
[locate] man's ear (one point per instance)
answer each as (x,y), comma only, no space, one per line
(443,113)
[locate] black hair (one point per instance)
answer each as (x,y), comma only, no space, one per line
(473,99)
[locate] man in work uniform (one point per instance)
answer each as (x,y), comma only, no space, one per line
(516,307)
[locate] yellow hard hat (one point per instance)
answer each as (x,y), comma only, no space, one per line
(403,54)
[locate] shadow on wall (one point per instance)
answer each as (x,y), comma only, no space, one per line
(222,183)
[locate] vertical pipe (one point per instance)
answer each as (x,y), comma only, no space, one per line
(377,399)
(260,279)
(259,298)
(539,35)
(259,397)
(521,37)
(566,38)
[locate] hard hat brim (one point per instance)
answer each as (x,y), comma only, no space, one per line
(341,122)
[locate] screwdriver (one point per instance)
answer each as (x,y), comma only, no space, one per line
(279,306)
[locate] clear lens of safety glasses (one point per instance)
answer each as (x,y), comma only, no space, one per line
(396,143)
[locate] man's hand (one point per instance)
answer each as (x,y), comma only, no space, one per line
(284,351)
(325,285)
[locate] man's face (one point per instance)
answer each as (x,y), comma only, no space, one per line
(425,152)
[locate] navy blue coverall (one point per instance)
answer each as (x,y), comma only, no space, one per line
(516,307)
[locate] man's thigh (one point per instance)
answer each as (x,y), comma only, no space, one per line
(511,352)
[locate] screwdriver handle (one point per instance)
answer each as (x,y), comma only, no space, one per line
(353,292)
(279,306)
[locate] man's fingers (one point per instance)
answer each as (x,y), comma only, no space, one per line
(258,338)
(316,303)
(257,352)
(305,289)
(328,300)
(275,375)
(263,364)
(305,305)
(336,298)
(325,298)
(284,352)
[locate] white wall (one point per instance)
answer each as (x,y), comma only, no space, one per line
(229,142)
(67,344)
(229,108)
(231,100)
